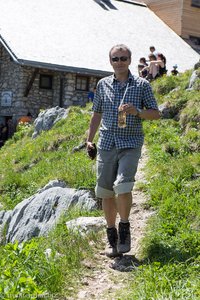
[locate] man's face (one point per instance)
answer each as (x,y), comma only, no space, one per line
(120,60)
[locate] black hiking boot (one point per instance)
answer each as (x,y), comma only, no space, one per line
(124,242)
(112,239)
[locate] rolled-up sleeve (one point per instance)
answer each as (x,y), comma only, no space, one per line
(149,100)
(97,102)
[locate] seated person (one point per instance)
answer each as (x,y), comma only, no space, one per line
(157,67)
(143,61)
(152,68)
(161,59)
(142,71)
(153,51)
(25,119)
(174,71)
(4,133)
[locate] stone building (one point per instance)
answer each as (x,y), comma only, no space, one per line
(26,89)
(52,53)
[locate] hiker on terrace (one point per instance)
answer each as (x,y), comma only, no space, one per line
(143,61)
(142,72)
(121,101)
(26,119)
(153,51)
(157,66)
(174,71)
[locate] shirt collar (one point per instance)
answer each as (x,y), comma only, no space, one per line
(130,77)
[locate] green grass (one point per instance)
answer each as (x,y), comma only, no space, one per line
(160,282)
(27,164)
(25,269)
(170,261)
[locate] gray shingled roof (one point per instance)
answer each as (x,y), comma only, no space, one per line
(78,34)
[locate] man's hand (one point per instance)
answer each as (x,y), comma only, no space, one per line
(129,108)
(147,114)
(91,150)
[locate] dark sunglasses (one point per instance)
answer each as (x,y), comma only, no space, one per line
(121,58)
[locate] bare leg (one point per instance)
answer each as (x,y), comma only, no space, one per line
(110,210)
(124,202)
(153,69)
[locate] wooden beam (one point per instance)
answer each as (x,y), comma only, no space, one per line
(29,85)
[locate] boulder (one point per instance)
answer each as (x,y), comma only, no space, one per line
(193,79)
(38,214)
(85,225)
(197,65)
(47,118)
(167,111)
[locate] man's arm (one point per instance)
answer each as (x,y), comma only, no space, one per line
(94,125)
(147,114)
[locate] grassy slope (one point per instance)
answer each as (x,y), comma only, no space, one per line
(170,268)
(171,261)
(28,164)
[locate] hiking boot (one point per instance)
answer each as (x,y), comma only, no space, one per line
(112,239)
(124,241)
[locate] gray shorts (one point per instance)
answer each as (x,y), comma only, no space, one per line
(116,171)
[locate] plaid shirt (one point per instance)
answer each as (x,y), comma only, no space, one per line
(107,99)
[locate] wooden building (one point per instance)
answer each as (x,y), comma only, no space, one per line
(182,16)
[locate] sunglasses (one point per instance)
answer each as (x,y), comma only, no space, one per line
(121,58)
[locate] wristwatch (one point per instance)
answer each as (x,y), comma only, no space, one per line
(139,111)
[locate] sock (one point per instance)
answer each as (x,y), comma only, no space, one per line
(123,221)
(110,227)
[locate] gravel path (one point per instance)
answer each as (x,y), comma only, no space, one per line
(108,275)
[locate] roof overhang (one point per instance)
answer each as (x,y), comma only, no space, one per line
(60,68)
(12,55)
(52,67)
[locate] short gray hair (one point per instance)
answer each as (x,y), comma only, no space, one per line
(121,47)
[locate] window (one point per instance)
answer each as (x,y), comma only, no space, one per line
(195,40)
(45,81)
(196,3)
(82,83)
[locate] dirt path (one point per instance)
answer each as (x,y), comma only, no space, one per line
(108,275)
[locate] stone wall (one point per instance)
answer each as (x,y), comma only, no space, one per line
(15,78)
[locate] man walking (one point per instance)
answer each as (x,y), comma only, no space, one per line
(121,101)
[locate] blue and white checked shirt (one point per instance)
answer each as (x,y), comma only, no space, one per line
(107,99)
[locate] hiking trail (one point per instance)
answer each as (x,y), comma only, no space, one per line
(107,275)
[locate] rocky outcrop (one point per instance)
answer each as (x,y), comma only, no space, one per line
(197,65)
(47,118)
(84,225)
(38,214)
(193,79)
(167,111)
(195,76)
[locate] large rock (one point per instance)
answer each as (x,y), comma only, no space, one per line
(167,111)
(5,217)
(46,119)
(197,65)
(85,225)
(38,214)
(193,79)
(195,75)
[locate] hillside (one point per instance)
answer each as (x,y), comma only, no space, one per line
(169,261)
